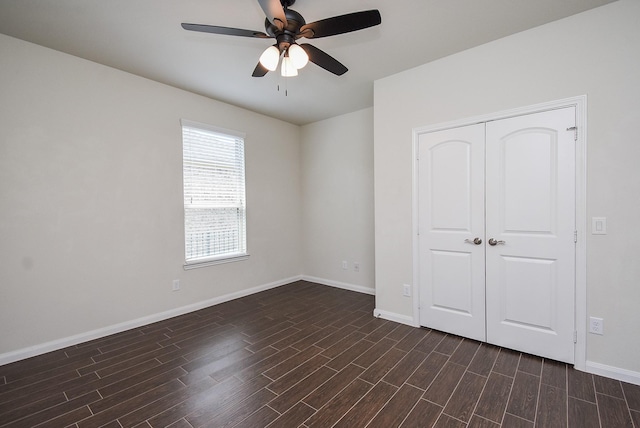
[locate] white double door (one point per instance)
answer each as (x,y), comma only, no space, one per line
(496,209)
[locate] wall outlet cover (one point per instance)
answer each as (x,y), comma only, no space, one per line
(596,325)
(406,290)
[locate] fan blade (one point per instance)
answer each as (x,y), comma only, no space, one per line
(324,60)
(274,11)
(225,30)
(260,70)
(341,24)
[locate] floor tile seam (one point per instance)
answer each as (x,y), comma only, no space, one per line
(513,381)
(267,405)
(196,336)
(270,335)
(412,372)
(626,402)
(413,348)
(435,376)
(408,411)
(385,403)
(116,363)
(597,409)
(487,419)
(40,377)
(352,359)
(624,394)
(75,424)
(146,379)
(484,387)
(297,383)
(125,346)
(182,419)
(454,350)
(333,396)
(582,399)
(301,364)
(146,403)
(49,389)
(506,404)
(61,414)
(517,417)
(609,395)
(269,344)
(388,371)
(453,390)
(135,396)
(535,416)
(471,359)
(466,423)
(354,404)
(35,412)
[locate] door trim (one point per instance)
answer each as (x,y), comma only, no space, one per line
(580,104)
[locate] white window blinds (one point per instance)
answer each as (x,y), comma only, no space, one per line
(214,194)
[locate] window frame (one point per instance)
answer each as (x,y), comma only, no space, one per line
(211,260)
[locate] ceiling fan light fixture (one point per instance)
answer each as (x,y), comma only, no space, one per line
(298,56)
(288,69)
(270,57)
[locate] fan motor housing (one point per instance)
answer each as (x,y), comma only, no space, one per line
(294,22)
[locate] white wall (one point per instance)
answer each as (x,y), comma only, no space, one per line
(593,53)
(337,201)
(91,231)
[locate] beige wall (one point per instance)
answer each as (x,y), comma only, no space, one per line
(337,201)
(91,231)
(593,53)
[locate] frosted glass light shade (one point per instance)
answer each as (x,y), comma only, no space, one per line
(288,70)
(269,58)
(298,56)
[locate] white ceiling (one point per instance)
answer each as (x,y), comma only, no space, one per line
(144,37)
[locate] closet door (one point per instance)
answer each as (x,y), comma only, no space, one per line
(451,230)
(530,219)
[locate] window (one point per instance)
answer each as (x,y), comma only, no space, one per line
(214,195)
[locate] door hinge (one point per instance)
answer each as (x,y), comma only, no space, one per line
(575,236)
(575,132)
(575,336)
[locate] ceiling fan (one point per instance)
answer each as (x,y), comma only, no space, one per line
(286,26)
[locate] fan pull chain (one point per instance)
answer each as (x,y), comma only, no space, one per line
(286,91)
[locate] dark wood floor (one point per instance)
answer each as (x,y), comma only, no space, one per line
(303,355)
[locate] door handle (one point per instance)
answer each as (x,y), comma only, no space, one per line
(493,242)
(476,241)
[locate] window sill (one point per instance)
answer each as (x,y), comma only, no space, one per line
(212,262)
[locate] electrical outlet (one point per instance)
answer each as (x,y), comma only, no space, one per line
(345,265)
(596,325)
(356,267)
(176,285)
(406,290)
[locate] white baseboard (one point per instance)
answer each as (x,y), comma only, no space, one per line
(54,345)
(391,316)
(343,285)
(613,372)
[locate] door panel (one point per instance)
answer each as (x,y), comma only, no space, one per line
(451,210)
(530,206)
(527,174)
(451,281)
(529,293)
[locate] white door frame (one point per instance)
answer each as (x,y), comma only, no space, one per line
(580,104)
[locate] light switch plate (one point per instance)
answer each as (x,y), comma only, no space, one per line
(598,225)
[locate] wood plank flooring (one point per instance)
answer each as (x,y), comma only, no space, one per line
(303,355)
